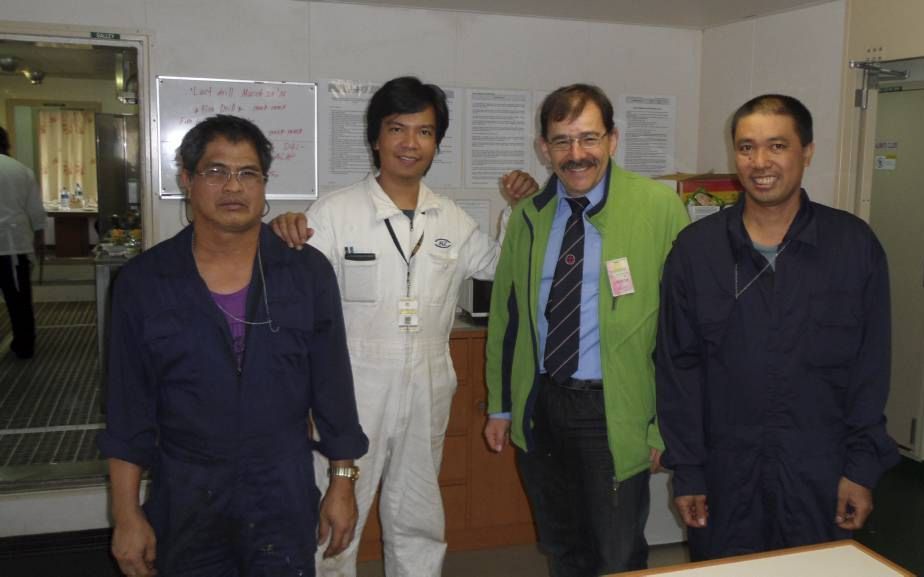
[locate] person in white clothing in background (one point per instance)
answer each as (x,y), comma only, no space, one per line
(22,232)
(401,253)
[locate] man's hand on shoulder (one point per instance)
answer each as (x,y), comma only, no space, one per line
(854,504)
(134,545)
(517,185)
(292,227)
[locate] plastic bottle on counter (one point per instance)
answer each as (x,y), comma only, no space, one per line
(64,199)
(78,195)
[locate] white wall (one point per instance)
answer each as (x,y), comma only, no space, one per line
(303,41)
(799,53)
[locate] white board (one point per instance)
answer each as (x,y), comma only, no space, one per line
(285,111)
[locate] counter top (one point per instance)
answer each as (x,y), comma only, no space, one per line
(464,322)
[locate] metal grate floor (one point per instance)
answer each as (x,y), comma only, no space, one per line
(50,405)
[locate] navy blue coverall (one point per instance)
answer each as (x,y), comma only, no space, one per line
(233,490)
(767,400)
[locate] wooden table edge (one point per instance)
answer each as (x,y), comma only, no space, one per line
(766,554)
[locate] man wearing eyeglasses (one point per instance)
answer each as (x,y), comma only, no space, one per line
(223,343)
(570,337)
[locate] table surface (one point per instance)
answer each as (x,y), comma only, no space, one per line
(67,211)
(842,558)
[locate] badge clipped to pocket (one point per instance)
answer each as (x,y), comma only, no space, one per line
(620,277)
(408,320)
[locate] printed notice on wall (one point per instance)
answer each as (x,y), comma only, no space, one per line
(446,171)
(343,156)
(886,154)
(646,139)
(498,135)
(479,210)
(538,161)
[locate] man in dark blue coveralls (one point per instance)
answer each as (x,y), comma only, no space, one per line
(223,343)
(773,354)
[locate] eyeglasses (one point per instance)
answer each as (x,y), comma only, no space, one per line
(220,176)
(587,141)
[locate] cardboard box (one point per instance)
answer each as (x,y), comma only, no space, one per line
(705,194)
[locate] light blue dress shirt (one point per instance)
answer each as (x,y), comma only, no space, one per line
(589,361)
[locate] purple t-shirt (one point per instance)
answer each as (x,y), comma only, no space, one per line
(234,305)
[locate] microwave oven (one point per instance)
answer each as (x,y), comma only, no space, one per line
(475,297)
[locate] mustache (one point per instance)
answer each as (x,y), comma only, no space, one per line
(578,164)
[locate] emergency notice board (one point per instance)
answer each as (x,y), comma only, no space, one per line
(285,111)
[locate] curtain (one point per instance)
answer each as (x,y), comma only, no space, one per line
(67,153)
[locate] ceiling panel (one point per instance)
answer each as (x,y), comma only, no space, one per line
(697,14)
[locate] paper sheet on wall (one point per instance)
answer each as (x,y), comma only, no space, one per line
(343,156)
(479,210)
(886,154)
(646,137)
(540,170)
(498,135)
(446,171)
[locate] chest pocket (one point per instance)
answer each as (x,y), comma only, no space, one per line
(836,330)
(712,323)
(290,350)
(360,280)
(172,343)
(439,277)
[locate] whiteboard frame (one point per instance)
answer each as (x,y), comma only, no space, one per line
(155,114)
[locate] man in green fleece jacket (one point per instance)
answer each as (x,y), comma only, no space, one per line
(574,313)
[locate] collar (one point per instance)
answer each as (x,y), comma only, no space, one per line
(272,249)
(803,228)
(595,196)
(385,206)
(554,188)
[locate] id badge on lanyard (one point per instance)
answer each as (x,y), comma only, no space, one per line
(408,307)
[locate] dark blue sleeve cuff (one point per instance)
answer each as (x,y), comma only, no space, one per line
(689,480)
(112,448)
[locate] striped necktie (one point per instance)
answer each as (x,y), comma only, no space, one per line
(563,310)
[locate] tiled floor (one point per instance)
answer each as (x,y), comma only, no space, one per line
(50,405)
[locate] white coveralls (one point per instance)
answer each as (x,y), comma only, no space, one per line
(404,381)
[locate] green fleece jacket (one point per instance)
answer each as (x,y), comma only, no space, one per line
(637,219)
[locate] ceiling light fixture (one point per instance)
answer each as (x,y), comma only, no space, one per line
(8,63)
(34,76)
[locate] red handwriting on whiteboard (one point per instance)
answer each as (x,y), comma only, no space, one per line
(263,92)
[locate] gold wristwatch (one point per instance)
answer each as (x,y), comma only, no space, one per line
(351,473)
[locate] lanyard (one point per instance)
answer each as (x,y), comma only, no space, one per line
(407,260)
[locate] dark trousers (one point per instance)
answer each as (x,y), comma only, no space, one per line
(17,293)
(588,523)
